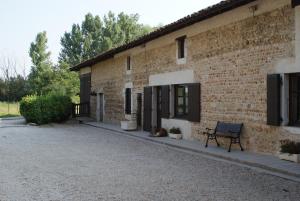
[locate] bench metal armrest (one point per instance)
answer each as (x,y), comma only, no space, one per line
(209,131)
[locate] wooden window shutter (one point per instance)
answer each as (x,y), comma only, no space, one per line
(194,99)
(165,101)
(295,3)
(147,109)
(128,101)
(273,100)
(85,88)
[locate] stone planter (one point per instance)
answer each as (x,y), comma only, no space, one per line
(290,157)
(128,125)
(175,136)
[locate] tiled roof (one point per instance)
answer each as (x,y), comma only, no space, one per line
(201,15)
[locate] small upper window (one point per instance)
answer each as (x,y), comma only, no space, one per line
(181,47)
(128,63)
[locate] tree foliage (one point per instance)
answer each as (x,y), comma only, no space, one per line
(96,35)
(86,40)
(45,77)
(12,84)
(41,74)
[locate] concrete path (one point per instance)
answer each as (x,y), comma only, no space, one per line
(271,164)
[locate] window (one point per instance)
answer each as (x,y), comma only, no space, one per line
(294,99)
(181,47)
(181,101)
(128,101)
(128,64)
(283,99)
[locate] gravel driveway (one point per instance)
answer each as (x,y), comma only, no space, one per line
(77,162)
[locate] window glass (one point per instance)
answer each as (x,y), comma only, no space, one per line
(181,101)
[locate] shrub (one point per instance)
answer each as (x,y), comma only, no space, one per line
(46,108)
(175,130)
(290,147)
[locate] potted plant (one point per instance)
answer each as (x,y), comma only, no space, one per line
(290,151)
(161,132)
(175,133)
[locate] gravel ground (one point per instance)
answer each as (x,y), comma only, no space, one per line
(77,162)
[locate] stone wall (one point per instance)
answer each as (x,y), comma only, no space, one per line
(230,61)
(107,78)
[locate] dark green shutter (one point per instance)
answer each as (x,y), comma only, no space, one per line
(147,109)
(194,102)
(273,100)
(85,88)
(128,101)
(295,3)
(165,101)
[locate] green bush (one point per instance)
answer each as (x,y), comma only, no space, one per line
(175,130)
(290,147)
(46,108)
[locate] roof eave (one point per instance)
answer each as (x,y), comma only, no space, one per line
(201,15)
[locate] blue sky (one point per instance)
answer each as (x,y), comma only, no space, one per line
(21,20)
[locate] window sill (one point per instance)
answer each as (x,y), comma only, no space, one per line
(181,61)
(292,130)
(128,117)
(128,72)
(180,118)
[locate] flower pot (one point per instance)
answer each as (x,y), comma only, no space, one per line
(175,136)
(128,125)
(290,157)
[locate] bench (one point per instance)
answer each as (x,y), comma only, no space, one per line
(226,130)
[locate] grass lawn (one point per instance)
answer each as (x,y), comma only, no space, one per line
(13,110)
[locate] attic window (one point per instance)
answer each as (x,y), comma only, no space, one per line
(181,47)
(128,64)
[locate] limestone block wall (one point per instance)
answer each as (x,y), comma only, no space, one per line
(107,78)
(231,62)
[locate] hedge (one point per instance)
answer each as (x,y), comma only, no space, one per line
(46,108)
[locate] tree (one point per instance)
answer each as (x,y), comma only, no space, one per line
(41,74)
(95,36)
(12,84)
(65,82)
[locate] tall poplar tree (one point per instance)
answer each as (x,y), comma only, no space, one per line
(41,73)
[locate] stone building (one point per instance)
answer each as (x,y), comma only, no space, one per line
(236,61)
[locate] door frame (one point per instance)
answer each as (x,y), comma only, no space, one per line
(100,107)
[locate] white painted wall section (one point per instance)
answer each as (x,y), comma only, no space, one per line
(297,37)
(177,77)
(184,125)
